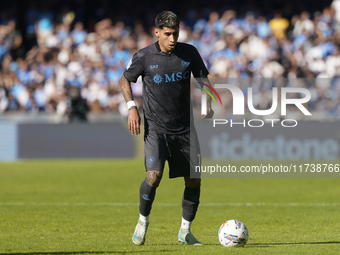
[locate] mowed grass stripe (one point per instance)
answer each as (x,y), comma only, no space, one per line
(91,206)
(171,204)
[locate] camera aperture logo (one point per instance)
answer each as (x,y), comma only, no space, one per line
(206,91)
(239,99)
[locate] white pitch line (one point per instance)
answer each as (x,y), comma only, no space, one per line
(171,204)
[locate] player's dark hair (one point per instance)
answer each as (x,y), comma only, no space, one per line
(167,19)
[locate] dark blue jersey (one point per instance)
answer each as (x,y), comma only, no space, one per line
(166,85)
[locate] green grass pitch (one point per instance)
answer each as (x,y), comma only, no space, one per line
(91,207)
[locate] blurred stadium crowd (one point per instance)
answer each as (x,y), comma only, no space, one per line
(59,55)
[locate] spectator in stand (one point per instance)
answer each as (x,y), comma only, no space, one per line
(78,34)
(31,17)
(13,41)
(232,45)
(304,24)
(44,29)
(278,25)
(3,100)
(262,28)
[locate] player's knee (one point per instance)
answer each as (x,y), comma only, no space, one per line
(153,177)
(192,182)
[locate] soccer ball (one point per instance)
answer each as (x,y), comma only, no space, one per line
(233,233)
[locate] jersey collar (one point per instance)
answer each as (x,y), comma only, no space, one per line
(160,51)
(158,47)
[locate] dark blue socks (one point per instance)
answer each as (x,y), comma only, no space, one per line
(190,202)
(146,196)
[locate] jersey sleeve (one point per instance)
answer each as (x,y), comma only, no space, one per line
(134,69)
(199,69)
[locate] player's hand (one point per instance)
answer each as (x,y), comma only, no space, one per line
(210,113)
(134,121)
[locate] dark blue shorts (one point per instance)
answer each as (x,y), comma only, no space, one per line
(182,151)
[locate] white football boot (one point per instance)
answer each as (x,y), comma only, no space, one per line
(138,237)
(185,236)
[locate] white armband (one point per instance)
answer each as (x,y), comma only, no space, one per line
(131,104)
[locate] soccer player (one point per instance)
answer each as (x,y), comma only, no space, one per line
(166,68)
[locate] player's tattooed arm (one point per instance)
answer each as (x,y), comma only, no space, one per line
(134,118)
(125,87)
(210,111)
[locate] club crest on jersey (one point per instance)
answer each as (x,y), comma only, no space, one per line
(157,78)
(185,64)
